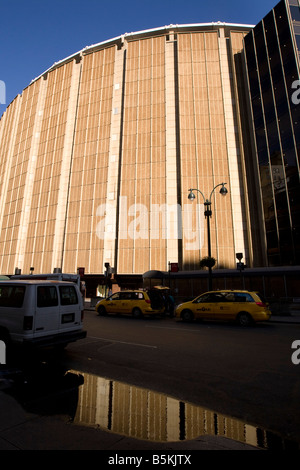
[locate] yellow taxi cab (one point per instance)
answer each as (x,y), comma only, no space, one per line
(133,302)
(242,306)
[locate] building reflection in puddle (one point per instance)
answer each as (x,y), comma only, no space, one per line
(144,414)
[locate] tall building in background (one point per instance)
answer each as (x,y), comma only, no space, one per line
(272,61)
(99,152)
(98,155)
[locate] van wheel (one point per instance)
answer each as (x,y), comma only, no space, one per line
(244,319)
(136,313)
(187,315)
(101,310)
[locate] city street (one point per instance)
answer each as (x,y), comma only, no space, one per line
(240,376)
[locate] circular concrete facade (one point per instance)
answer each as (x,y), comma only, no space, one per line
(98,155)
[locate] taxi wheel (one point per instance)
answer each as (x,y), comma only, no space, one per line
(136,313)
(244,319)
(101,310)
(187,315)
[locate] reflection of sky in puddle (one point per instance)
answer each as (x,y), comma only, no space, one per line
(144,414)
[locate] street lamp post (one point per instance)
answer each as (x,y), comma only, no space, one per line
(208,213)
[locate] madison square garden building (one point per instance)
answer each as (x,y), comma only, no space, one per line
(99,152)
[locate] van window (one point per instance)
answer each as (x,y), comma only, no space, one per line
(125,296)
(211,297)
(12,296)
(243,297)
(47,296)
(114,296)
(68,295)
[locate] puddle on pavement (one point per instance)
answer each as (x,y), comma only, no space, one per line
(90,400)
(143,414)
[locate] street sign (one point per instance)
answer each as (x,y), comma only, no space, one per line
(173,267)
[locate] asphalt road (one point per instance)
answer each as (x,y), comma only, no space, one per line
(158,380)
(243,373)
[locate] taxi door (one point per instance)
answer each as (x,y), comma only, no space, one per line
(225,309)
(203,307)
(125,302)
(112,304)
(210,307)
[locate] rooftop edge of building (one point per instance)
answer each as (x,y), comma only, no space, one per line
(144,33)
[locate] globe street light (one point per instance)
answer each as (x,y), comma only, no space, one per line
(207,213)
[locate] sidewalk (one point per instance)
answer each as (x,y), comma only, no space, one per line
(20,430)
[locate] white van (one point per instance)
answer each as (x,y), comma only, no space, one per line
(40,313)
(53,277)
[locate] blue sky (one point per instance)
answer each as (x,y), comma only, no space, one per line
(37,33)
